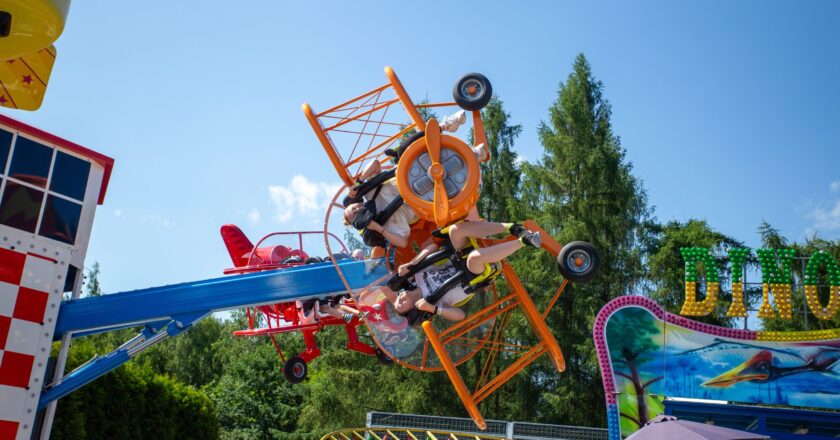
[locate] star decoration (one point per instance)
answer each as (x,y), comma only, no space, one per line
(27,79)
(2,99)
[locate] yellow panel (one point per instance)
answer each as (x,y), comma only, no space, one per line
(34,24)
(23,80)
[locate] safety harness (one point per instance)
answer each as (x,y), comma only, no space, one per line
(369,212)
(463,276)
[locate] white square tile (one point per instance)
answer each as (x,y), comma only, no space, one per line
(23,337)
(38,273)
(8,296)
(12,403)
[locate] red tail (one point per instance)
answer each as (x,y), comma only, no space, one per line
(238,245)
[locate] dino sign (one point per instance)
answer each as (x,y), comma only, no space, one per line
(647,354)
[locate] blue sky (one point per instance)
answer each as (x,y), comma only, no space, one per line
(729,111)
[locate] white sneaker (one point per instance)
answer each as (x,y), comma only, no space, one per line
(454,121)
(482,153)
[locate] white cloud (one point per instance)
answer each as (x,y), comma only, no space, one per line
(254,216)
(826,219)
(158,221)
(301,197)
(835,186)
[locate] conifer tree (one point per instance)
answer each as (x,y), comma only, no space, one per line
(582,189)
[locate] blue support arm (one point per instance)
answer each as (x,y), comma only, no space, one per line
(170,310)
(159,303)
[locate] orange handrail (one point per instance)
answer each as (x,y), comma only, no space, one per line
(405,99)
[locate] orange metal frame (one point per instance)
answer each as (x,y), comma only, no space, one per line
(364,117)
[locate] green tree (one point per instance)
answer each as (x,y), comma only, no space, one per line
(803,319)
(666,266)
(500,177)
(582,189)
(132,402)
(92,287)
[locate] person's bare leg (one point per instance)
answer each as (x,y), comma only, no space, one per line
(347,309)
(498,252)
(327,310)
(374,167)
(460,233)
(336,313)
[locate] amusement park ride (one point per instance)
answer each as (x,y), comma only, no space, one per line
(51,187)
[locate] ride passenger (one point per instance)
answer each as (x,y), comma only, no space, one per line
(428,280)
(397,228)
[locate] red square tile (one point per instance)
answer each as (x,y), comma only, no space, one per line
(15,369)
(11,266)
(30,305)
(8,429)
(5,323)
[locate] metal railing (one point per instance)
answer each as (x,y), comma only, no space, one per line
(402,434)
(495,428)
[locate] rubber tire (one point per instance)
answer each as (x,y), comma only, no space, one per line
(576,276)
(292,364)
(383,358)
(314,260)
(472,103)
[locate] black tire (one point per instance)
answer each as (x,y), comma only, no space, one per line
(472,101)
(295,370)
(383,358)
(314,260)
(579,261)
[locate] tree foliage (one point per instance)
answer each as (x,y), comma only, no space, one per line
(208,384)
(666,266)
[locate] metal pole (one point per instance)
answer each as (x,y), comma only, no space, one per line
(804,307)
(746,287)
(61,361)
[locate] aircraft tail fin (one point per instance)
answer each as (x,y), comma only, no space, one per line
(237,244)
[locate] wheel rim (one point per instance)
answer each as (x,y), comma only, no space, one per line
(578,261)
(472,89)
(297,370)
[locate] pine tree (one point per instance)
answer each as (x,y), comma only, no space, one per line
(500,177)
(582,189)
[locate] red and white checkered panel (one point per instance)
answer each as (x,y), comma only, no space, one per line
(30,294)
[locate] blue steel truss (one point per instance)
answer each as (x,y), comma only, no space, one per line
(170,310)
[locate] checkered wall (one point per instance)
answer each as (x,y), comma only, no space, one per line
(31,284)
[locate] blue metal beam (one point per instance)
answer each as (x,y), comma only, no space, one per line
(161,303)
(170,310)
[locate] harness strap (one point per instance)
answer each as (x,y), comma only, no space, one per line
(374,183)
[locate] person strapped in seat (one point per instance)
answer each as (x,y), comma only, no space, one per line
(374,205)
(442,278)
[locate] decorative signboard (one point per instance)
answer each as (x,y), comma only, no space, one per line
(647,354)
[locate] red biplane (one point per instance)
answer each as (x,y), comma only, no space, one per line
(438,177)
(294,316)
